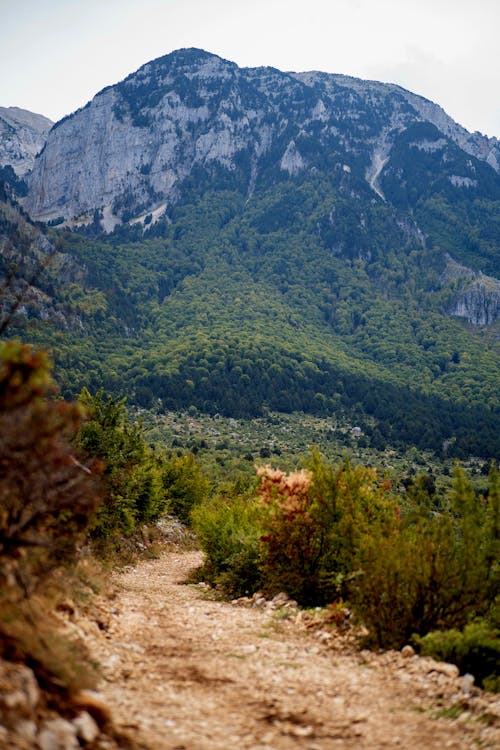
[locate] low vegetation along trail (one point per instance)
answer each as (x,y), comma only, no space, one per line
(182,671)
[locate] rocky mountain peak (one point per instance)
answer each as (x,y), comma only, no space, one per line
(128,152)
(22,136)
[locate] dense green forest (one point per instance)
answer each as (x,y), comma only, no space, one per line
(291,301)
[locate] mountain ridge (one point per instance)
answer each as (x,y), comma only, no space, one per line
(244,119)
(237,241)
(22,136)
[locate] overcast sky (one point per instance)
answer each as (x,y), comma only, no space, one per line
(55,55)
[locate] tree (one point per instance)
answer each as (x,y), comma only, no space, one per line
(132,489)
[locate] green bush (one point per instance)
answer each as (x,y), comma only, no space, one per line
(133,492)
(475,650)
(228,530)
(339,531)
(184,485)
(433,571)
(405,582)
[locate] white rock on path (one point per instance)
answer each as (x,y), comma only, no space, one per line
(58,734)
(86,728)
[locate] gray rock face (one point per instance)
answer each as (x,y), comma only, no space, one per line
(192,114)
(483,148)
(480,304)
(22,136)
(478,296)
(377,94)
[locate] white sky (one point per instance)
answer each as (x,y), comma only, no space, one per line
(55,55)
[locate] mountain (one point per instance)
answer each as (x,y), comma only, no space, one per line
(22,136)
(130,150)
(35,275)
(246,239)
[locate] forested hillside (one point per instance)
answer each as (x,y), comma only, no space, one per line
(321,244)
(226,310)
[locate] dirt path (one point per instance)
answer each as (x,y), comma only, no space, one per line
(185,672)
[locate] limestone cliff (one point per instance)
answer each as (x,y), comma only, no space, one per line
(477,296)
(22,136)
(192,114)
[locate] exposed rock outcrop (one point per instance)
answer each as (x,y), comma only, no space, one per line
(29,718)
(22,136)
(191,113)
(477,295)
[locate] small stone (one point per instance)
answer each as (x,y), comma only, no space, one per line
(467,683)
(13,700)
(251,648)
(280,598)
(58,734)
(407,651)
(86,728)
(259,602)
(302,731)
(258,595)
(323,636)
(26,729)
(449,670)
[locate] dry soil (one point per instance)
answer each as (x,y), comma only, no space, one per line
(182,671)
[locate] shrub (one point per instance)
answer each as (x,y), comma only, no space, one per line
(475,650)
(184,485)
(338,531)
(132,484)
(313,523)
(47,496)
(292,537)
(433,571)
(405,582)
(229,531)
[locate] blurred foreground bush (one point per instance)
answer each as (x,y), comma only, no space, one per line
(48,496)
